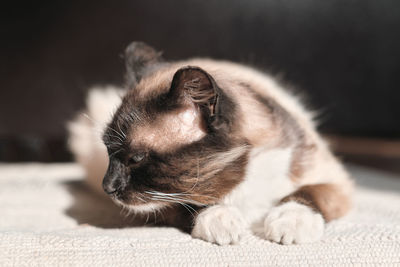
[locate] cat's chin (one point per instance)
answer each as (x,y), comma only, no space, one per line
(148,207)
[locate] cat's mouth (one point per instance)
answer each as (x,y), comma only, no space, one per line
(128,198)
(150,201)
(141,207)
(139,201)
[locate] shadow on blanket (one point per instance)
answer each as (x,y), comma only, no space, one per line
(91,208)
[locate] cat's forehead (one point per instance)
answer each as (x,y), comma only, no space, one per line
(165,132)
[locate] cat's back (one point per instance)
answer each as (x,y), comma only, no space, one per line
(244,81)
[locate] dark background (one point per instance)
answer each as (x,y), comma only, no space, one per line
(343,54)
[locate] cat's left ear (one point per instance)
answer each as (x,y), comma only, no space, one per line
(139,57)
(197,86)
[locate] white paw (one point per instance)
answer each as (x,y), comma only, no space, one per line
(219,224)
(293,223)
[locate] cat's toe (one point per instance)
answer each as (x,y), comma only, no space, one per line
(222,225)
(293,223)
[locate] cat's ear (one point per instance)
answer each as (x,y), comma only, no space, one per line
(197,86)
(138,58)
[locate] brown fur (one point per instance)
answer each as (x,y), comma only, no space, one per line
(289,133)
(327,199)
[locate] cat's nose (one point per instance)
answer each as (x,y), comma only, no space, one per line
(114,180)
(110,187)
(113,183)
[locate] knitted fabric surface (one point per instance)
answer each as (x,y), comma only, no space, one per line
(50,218)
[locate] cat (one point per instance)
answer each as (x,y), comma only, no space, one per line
(215,147)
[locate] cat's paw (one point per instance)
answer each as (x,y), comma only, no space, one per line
(219,224)
(293,223)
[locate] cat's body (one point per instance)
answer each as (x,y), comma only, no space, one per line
(222,140)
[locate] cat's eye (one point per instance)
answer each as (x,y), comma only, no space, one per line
(134,159)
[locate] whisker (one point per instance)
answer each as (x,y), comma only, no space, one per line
(197,177)
(162,214)
(121,132)
(119,137)
(112,154)
(147,219)
(141,199)
(156,193)
(187,207)
(164,196)
(103,126)
(177,200)
(111,135)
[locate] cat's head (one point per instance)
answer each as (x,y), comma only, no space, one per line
(174,138)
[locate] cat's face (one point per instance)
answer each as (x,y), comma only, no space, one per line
(178,142)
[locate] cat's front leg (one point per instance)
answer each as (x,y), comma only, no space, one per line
(220,224)
(300,216)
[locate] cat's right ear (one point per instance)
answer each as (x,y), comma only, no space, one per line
(139,57)
(195,85)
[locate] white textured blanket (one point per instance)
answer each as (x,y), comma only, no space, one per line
(49,218)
